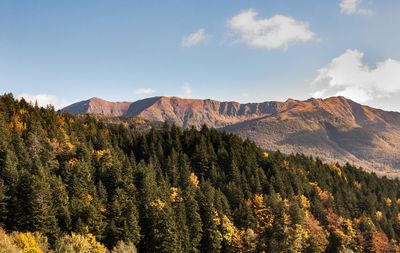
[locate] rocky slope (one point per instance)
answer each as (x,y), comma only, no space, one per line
(98,106)
(195,112)
(334,129)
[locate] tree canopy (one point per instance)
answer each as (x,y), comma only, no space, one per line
(75,183)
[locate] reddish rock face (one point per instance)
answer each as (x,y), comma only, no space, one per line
(98,106)
(195,112)
(334,129)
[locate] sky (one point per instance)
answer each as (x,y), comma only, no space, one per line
(65,51)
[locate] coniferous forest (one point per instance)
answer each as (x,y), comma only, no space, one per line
(77,184)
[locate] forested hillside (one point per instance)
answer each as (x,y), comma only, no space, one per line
(76,184)
(334,129)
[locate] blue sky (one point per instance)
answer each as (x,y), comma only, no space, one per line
(251,50)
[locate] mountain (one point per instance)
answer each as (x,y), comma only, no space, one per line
(98,106)
(71,183)
(196,112)
(334,129)
(182,112)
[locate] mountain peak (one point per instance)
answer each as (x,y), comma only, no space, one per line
(97,105)
(97,99)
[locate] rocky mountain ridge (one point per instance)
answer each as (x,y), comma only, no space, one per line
(334,129)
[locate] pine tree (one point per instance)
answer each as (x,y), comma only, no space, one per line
(3,203)
(40,214)
(10,177)
(190,187)
(200,160)
(172,170)
(123,222)
(156,217)
(60,202)
(212,237)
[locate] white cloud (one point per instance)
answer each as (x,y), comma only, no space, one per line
(44,99)
(187,90)
(347,75)
(145,91)
(275,32)
(350,7)
(194,38)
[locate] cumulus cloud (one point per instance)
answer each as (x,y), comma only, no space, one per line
(271,33)
(350,7)
(347,75)
(44,99)
(187,90)
(194,38)
(145,91)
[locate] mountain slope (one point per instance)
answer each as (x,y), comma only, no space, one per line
(195,112)
(334,129)
(98,106)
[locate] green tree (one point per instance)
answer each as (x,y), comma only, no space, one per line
(156,216)
(123,223)
(212,237)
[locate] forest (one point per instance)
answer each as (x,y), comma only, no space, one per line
(78,184)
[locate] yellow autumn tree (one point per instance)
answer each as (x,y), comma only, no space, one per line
(194,180)
(7,244)
(335,167)
(30,242)
(80,243)
(324,196)
(304,202)
(264,220)
(238,240)
(157,204)
(231,233)
(16,124)
(378,215)
(175,196)
(388,202)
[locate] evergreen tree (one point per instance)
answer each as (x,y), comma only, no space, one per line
(190,185)
(212,237)
(123,222)
(3,203)
(156,217)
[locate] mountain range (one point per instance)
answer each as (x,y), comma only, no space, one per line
(333,129)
